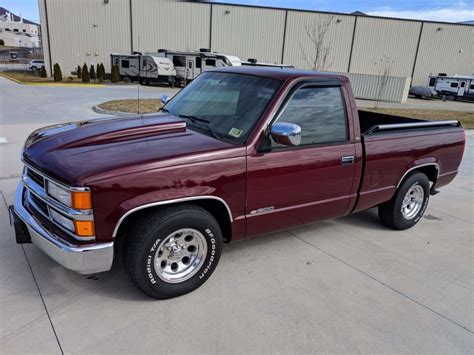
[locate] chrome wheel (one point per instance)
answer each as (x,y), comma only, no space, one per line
(413,202)
(180,255)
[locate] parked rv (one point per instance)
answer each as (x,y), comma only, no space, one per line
(145,68)
(456,86)
(189,64)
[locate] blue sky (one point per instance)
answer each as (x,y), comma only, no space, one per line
(435,10)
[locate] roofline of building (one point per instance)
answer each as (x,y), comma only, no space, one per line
(332,13)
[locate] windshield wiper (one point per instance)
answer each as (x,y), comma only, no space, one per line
(195,119)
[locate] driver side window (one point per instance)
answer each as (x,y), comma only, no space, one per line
(320,113)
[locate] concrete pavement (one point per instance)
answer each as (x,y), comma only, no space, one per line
(347,285)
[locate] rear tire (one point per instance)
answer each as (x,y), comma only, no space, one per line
(174,251)
(408,204)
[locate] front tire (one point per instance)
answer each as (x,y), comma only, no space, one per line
(174,251)
(408,204)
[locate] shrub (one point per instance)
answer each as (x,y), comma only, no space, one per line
(126,79)
(100,72)
(115,76)
(70,78)
(92,72)
(58,76)
(43,72)
(79,71)
(85,74)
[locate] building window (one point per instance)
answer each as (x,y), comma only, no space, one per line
(24,30)
(2,43)
(198,62)
(463,83)
(319,112)
(432,82)
(179,61)
(7,29)
(15,30)
(125,64)
(471,87)
(454,85)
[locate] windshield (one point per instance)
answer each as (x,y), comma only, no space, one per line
(224,105)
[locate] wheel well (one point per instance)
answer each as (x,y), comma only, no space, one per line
(431,172)
(216,208)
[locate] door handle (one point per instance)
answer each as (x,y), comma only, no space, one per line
(348,160)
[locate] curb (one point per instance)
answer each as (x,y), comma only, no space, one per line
(50,84)
(102,111)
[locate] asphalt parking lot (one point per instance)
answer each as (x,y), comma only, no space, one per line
(342,286)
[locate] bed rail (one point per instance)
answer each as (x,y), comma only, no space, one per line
(397,126)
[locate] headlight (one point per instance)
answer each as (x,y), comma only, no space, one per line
(60,193)
(79,200)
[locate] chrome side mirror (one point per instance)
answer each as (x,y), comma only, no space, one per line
(286,133)
(164,99)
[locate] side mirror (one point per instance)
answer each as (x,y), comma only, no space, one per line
(286,133)
(164,99)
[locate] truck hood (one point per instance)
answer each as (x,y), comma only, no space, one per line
(78,153)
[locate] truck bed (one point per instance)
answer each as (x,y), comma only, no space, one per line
(393,145)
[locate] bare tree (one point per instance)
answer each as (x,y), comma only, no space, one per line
(317,54)
(384,71)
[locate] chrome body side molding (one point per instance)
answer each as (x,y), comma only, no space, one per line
(170,202)
(417,167)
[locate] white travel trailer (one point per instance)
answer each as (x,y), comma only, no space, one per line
(189,65)
(457,86)
(145,68)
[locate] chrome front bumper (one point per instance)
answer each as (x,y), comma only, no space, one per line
(88,259)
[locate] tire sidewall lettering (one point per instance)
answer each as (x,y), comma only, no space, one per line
(149,267)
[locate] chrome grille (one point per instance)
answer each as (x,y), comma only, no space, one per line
(40,202)
(35,177)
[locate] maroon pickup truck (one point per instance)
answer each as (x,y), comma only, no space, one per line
(237,153)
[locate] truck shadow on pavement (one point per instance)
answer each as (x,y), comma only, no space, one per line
(71,287)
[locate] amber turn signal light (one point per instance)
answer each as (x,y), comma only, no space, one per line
(81,200)
(84,228)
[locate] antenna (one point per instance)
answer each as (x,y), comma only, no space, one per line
(138,78)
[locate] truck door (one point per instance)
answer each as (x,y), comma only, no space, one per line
(190,69)
(294,185)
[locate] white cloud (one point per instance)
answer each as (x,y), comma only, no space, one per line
(461,13)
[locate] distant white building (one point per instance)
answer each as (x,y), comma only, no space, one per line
(16,33)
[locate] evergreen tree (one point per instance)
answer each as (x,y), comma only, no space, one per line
(115,78)
(85,74)
(43,72)
(58,76)
(92,72)
(79,71)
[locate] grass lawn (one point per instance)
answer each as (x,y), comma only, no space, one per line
(466,118)
(30,77)
(153,105)
(131,105)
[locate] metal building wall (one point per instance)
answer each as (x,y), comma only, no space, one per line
(379,88)
(384,43)
(78,31)
(248,32)
(45,36)
(87,32)
(338,38)
(444,48)
(169,24)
